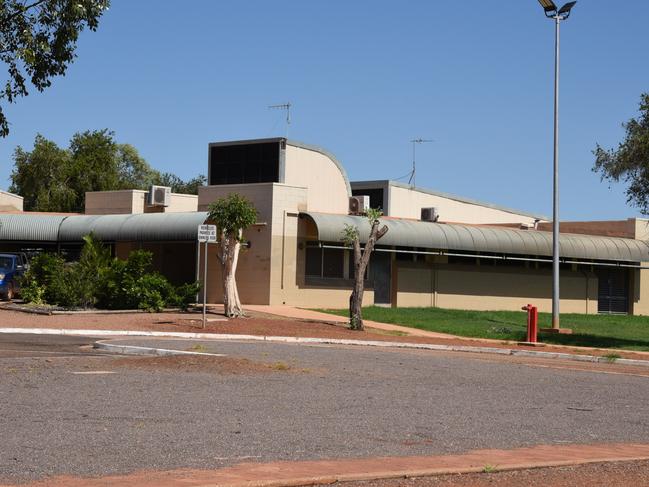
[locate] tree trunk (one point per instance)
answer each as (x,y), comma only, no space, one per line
(230,247)
(361,260)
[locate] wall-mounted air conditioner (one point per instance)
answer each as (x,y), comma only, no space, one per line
(159,195)
(358,205)
(429,214)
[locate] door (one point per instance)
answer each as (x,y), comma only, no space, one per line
(613,292)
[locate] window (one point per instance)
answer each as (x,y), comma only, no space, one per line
(244,163)
(325,262)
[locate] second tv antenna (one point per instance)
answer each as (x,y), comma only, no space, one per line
(411,181)
(284,106)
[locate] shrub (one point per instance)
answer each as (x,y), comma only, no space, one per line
(45,272)
(184,295)
(99,280)
(31,292)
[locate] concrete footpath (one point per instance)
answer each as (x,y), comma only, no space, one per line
(310,315)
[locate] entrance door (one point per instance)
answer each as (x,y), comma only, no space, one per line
(613,293)
(382,277)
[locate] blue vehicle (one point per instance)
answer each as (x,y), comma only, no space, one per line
(12,267)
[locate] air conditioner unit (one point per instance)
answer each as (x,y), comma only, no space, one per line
(429,214)
(159,195)
(358,205)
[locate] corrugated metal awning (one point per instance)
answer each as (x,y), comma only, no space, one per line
(135,227)
(470,238)
(26,227)
(22,227)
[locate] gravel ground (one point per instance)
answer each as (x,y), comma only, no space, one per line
(100,415)
(620,474)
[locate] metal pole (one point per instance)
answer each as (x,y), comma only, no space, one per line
(205,287)
(198,268)
(555,188)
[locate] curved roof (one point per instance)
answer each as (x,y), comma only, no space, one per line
(130,227)
(133,227)
(31,228)
(328,154)
(443,236)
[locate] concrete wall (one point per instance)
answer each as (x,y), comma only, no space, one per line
(131,201)
(326,184)
(407,203)
(127,201)
(10,202)
(470,287)
(272,270)
(639,291)
(607,228)
(253,271)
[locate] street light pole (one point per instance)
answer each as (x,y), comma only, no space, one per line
(555,185)
(558,15)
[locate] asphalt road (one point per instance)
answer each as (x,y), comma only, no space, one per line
(99,414)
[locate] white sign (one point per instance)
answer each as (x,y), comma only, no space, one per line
(207,233)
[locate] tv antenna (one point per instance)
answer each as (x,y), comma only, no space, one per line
(411,180)
(284,106)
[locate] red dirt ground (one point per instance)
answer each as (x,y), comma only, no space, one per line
(255,324)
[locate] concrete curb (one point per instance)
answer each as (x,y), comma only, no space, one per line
(328,341)
(61,311)
(148,351)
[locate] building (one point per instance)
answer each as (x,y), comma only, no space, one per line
(463,254)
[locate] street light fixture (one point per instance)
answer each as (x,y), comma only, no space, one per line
(558,15)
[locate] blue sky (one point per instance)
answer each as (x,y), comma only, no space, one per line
(364,78)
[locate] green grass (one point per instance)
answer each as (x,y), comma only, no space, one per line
(602,331)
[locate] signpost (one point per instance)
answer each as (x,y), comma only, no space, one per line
(207,234)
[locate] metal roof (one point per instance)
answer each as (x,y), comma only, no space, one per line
(130,227)
(444,236)
(30,228)
(133,227)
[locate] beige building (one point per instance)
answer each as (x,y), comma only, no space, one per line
(441,250)
(130,201)
(10,202)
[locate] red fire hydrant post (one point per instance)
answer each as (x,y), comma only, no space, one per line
(532,323)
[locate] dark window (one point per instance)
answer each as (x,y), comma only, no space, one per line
(313,262)
(244,163)
(333,263)
(325,262)
(376,196)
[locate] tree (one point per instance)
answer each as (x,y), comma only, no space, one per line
(55,179)
(232,215)
(38,40)
(177,185)
(630,161)
(351,236)
(42,177)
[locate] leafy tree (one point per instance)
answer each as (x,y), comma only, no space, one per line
(93,164)
(630,161)
(38,40)
(42,177)
(133,170)
(55,179)
(177,185)
(232,215)
(351,236)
